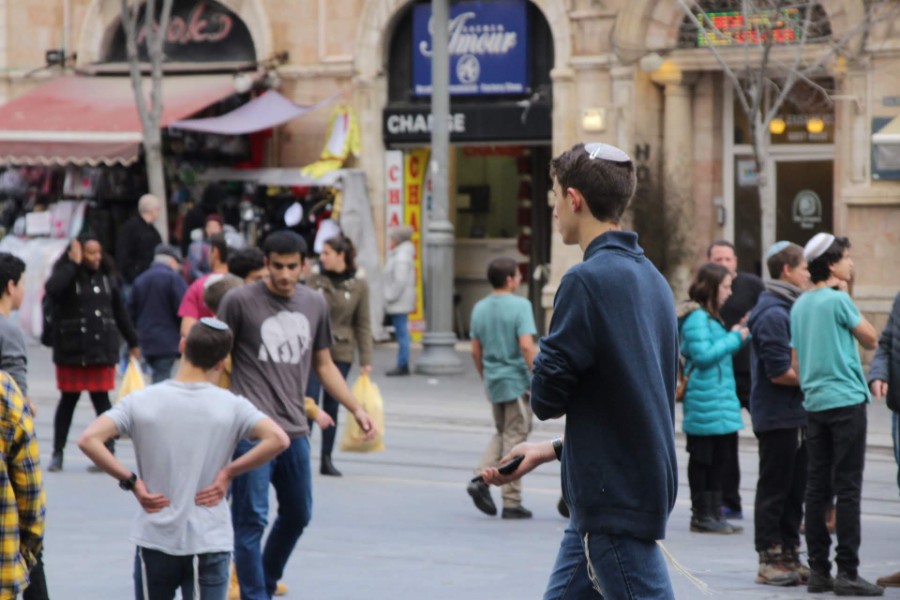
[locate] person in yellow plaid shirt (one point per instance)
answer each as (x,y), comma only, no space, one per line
(22,501)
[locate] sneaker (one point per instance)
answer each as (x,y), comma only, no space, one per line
(857,586)
(281,589)
(730,513)
(481,495)
(890,580)
(791,558)
(773,570)
(56,462)
(819,582)
(398,372)
(516,512)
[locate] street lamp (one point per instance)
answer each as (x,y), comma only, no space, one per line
(439,355)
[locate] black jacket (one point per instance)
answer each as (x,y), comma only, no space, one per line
(134,251)
(745,291)
(89,316)
(773,406)
(886,362)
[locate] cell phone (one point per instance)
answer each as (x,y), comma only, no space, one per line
(505,469)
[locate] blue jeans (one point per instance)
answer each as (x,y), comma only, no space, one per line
(624,568)
(329,405)
(289,473)
(161,367)
(401,330)
(167,573)
(895,431)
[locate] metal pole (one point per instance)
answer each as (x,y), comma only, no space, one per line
(439,356)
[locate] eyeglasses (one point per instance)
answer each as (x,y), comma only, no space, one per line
(606,152)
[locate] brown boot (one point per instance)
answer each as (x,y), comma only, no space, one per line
(890,580)
(773,571)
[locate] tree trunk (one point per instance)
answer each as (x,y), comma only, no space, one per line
(156,180)
(766,189)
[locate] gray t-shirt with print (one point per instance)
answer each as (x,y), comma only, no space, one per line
(274,340)
(183,435)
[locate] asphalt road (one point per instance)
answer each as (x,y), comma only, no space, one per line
(399,524)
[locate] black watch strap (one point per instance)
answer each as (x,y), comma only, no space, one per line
(557,447)
(128,484)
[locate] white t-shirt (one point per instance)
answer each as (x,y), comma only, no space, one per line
(183,434)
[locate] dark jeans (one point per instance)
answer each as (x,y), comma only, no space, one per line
(624,568)
(329,405)
(779,491)
(836,446)
(62,422)
(166,574)
(161,367)
(706,461)
(260,570)
(37,588)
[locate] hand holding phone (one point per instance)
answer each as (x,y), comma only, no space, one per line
(505,469)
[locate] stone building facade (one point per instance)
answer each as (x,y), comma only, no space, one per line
(623,62)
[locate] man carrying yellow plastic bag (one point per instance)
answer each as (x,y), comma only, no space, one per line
(354,438)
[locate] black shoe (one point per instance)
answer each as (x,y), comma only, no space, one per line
(516,512)
(481,495)
(56,462)
(856,586)
(819,582)
(562,507)
(399,371)
(327,467)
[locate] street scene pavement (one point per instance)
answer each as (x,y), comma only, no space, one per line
(399,524)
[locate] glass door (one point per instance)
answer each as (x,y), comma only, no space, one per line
(804,199)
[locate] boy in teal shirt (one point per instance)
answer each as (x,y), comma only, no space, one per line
(503,351)
(825,326)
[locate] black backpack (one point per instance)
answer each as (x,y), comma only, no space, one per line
(48,310)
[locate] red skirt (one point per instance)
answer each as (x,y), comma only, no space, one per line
(93,378)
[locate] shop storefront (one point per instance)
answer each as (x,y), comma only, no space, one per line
(500,134)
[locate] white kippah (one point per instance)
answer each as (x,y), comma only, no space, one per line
(817,246)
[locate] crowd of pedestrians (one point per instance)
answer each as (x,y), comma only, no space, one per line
(261,339)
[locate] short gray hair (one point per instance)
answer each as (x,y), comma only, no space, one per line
(148,203)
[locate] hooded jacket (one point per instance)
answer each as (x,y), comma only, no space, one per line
(711,405)
(400,280)
(773,406)
(886,362)
(609,365)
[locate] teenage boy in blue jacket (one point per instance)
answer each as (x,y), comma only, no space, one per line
(608,365)
(779,421)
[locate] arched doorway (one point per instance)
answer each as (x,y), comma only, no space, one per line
(386,96)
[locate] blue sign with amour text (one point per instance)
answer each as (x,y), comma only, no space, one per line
(488,47)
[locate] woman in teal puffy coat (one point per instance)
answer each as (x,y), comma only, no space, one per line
(712,412)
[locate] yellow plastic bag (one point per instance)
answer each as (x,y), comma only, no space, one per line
(133,380)
(354,438)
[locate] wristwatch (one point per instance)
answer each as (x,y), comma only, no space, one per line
(557,447)
(128,484)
